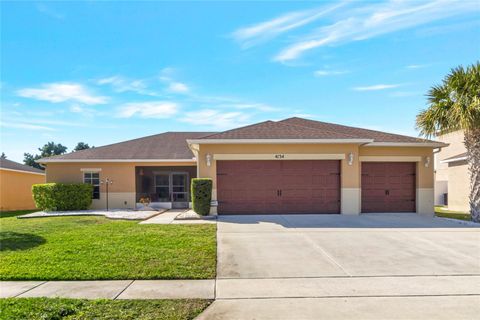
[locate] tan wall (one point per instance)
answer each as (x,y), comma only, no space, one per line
(121,192)
(458,187)
(455,175)
(456,146)
(350,174)
(16,190)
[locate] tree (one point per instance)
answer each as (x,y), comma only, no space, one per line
(3,156)
(29,160)
(455,105)
(48,150)
(82,146)
(52,149)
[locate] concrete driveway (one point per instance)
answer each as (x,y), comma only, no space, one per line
(374,266)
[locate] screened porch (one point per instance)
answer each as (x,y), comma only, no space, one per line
(164,187)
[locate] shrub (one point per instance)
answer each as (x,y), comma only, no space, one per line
(62,197)
(201,195)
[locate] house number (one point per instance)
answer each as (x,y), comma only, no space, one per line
(279,156)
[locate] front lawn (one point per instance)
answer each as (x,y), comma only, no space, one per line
(48,308)
(442,212)
(96,248)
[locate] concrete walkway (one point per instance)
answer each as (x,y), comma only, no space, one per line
(178,216)
(110,289)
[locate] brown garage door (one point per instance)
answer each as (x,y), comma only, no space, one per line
(278,186)
(388,187)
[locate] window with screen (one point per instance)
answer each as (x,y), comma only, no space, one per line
(93,178)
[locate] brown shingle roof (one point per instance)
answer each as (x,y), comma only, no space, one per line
(279,130)
(164,146)
(12,165)
(377,136)
(173,145)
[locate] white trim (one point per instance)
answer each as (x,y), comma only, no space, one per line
(90,169)
(114,160)
(454,160)
(407,144)
(279,156)
(390,159)
(23,171)
(276,141)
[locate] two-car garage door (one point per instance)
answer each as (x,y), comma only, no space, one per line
(278,186)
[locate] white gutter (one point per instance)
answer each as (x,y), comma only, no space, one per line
(114,160)
(454,159)
(23,171)
(276,141)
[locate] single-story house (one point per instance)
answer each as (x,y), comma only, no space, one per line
(16,182)
(290,166)
(452,178)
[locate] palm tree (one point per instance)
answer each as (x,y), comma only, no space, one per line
(455,105)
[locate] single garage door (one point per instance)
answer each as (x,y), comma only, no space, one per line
(278,186)
(388,186)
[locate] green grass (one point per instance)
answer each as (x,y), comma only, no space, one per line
(96,248)
(8,214)
(70,309)
(442,212)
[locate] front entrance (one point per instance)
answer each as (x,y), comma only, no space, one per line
(172,187)
(278,186)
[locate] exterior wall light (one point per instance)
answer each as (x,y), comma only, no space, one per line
(208,159)
(427,162)
(350,158)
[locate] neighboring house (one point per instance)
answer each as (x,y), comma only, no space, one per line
(289,166)
(451,173)
(16,182)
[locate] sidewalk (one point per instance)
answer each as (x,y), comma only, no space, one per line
(179,216)
(110,289)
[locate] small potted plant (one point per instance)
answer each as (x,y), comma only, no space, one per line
(145,201)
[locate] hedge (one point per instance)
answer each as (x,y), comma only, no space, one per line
(62,197)
(201,195)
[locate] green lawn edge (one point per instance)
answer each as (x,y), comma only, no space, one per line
(442,212)
(72,309)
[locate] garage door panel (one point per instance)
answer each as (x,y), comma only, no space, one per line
(388,186)
(307,186)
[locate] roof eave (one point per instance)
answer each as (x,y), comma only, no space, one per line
(407,144)
(23,171)
(46,160)
(279,141)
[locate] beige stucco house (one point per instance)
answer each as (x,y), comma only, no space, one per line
(16,182)
(451,173)
(290,166)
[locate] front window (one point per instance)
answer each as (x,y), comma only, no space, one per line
(93,178)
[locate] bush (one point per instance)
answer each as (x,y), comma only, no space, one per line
(62,197)
(201,195)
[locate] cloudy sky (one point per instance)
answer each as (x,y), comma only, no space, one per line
(107,72)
